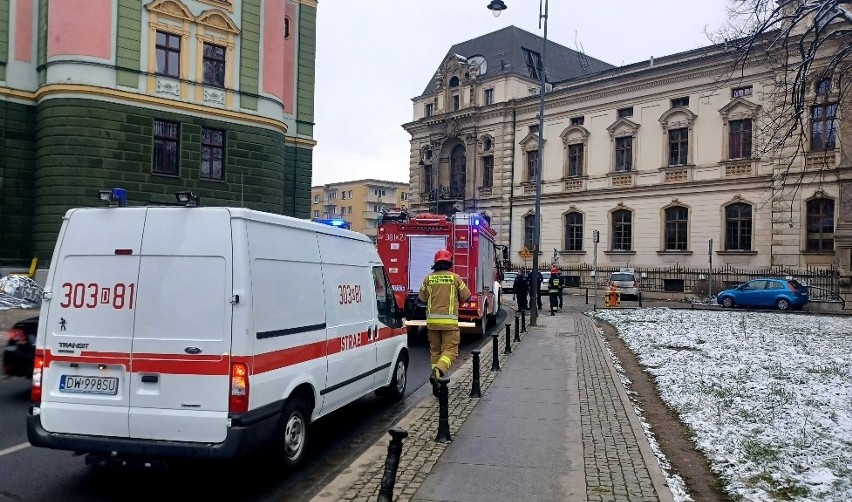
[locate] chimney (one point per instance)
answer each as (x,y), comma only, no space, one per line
(651,65)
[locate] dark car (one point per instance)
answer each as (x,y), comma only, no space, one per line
(782,294)
(19,354)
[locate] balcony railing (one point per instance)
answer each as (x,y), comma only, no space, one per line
(447,193)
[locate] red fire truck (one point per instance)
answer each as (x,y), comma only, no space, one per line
(407,244)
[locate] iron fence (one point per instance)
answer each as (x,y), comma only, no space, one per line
(823,282)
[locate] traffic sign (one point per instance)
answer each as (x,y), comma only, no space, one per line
(525,253)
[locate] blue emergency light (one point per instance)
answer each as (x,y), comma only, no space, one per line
(115,197)
(334,222)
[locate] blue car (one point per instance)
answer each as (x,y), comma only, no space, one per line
(782,294)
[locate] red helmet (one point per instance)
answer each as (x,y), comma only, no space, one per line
(554,270)
(443,255)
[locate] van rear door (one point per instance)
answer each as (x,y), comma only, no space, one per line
(88,325)
(182,338)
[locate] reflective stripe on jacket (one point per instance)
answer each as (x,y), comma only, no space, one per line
(443,291)
(554,284)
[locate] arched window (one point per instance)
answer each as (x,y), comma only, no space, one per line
(574,231)
(622,230)
(427,179)
(454,82)
(820,225)
(529,231)
(738,223)
(458,171)
(677,218)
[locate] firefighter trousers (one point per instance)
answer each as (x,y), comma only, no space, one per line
(554,301)
(444,348)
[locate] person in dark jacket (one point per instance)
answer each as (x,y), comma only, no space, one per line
(536,280)
(522,290)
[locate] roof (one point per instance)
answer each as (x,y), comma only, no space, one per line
(362,182)
(503,51)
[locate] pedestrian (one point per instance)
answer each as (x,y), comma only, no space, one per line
(561,288)
(443,291)
(553,289)
(536,280)
(522,290)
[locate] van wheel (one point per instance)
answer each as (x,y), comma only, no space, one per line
(293,433)
(399,380)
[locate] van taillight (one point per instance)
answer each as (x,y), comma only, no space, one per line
(38,366)
(16,336)
(238,402)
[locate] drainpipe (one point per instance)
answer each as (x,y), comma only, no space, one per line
(512,181)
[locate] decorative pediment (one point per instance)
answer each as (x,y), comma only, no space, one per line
(215,18)
(171,8)
(623,127)
(530,142)
(574,134)
(738,109)
(677,118)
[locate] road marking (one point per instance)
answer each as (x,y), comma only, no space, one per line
(13,449)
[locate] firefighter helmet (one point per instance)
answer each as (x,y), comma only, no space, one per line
(554,270)
(443,255)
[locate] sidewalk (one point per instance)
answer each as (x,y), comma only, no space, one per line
(554,424)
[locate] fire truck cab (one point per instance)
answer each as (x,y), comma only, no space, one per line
(407,244)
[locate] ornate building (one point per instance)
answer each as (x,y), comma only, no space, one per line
(154,96)
(662,157)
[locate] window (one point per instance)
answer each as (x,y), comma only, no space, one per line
(489,96)
(823,127)
(533,60)
(823,87)
(454,82)
(316,199)
(577,121)
(332,196)
(680,102)
(532,164)
(428,110)
(820,225)
(166,147)
(349,210)
(622,230)
(738,227)
(316,213)
(575,160)
(168,54)
(529,231)
(286,28)
(385,301)
(427,179)
(379,192)
(534,129)
(624,154)
(212,154)
(676,227)
(741,92)
(214,65)
(456,102)
(739,139)
(487,171)
(678,146)
(574,232)
(625,112)
(405,196)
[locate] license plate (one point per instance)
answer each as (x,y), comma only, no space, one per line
(88,384)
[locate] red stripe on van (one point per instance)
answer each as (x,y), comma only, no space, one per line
(278,359)
(182,366)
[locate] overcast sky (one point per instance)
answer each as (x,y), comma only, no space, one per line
(374,56)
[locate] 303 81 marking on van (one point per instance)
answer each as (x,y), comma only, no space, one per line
(91,295)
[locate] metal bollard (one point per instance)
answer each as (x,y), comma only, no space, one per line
(508,339)
(495,359)
(443,412)
(639,294)
(587,296)
(517,328)
(391,464)
(524,322)
(474,389)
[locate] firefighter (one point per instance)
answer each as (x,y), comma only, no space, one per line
(553,289)
(443,291)
(522,290)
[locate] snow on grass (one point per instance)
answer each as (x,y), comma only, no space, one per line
(767,395)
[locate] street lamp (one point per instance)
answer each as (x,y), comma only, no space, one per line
(497,7)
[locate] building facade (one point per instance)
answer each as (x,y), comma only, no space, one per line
(662,158)
(153,96)
(359,202)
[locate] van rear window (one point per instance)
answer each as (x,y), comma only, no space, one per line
(622,277)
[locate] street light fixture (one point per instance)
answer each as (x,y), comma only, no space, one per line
(496,7)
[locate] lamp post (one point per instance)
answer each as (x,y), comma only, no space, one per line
(496,7)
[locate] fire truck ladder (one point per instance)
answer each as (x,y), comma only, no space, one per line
(461,260)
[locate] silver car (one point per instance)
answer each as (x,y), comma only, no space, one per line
(625,283)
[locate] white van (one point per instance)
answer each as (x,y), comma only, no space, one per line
(207,332)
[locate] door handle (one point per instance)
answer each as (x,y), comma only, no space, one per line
(150,378)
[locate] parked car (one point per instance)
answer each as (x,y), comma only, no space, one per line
(625,282)
(545,274)
(782,294)
(19,354)
(507,285)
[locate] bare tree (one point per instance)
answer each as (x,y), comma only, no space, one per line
(806,45)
